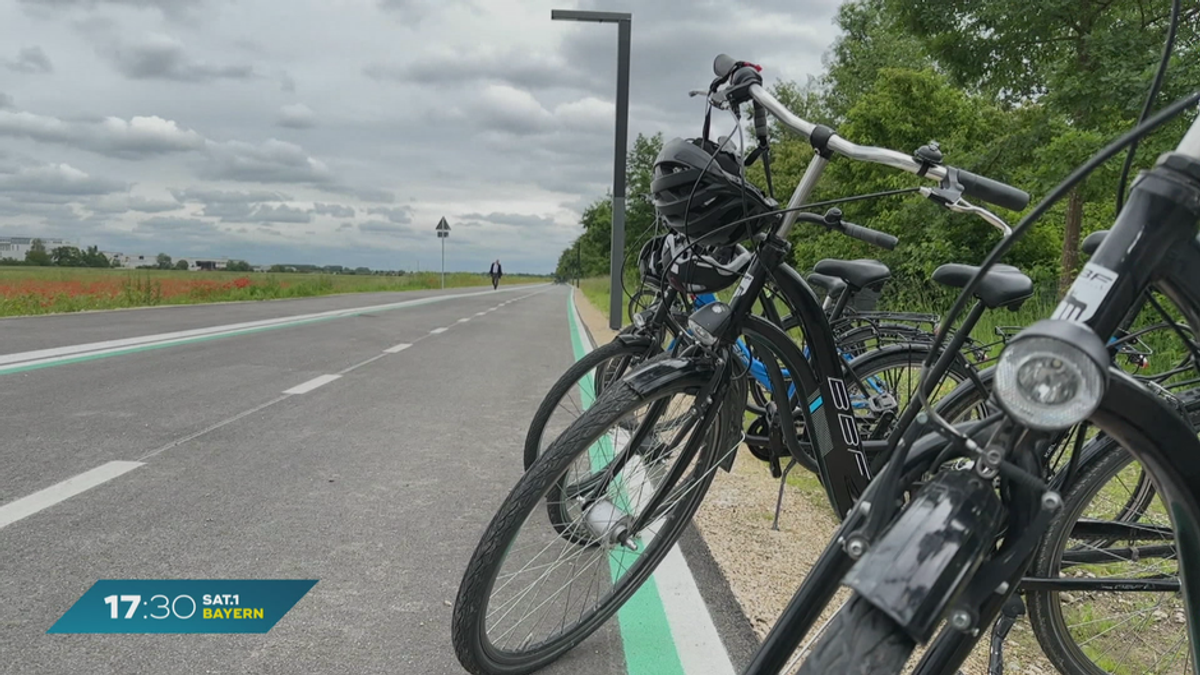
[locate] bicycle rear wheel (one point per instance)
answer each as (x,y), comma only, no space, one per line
(570,577)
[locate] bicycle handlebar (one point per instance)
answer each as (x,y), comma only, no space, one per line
(974,185)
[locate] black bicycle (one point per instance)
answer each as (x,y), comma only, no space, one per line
(621,483)
(946,561)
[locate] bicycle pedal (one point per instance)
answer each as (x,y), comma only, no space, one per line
(881,403)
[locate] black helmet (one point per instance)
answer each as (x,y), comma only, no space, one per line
(710,192)
(650,261)
(702,269)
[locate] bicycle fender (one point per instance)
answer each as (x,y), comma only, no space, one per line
(633,340)
(921,564)
(658,373)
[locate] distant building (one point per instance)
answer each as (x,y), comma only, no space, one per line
(17,247)
(131,261)
(208,263)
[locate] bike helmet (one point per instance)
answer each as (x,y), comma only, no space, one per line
(697,194)
(650,261)
(702,269)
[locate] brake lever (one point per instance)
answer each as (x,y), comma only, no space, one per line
(960,205)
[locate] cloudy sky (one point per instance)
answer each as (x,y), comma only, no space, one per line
(340,131)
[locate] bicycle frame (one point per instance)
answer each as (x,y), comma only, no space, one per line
(1153,243)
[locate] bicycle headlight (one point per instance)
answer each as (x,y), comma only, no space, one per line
(1052,375)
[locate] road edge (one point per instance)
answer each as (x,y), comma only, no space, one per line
(732,626)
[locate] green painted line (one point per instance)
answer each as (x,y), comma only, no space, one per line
(645,633)
(8,370)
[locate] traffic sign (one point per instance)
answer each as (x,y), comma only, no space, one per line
(443,228)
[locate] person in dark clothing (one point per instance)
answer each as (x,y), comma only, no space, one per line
(496,273)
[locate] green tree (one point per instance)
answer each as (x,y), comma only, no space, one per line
(1088,62)
(67,256)
(181,265)
(92,257)
(163,261)
(238,266)
(37,255)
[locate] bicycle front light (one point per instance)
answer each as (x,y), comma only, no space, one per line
(1052,375)
(709,321)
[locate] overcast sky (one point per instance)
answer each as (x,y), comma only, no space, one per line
(340,131)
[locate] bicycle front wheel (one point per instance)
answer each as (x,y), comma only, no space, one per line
(534,589)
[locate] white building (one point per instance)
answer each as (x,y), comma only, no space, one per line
(130,261)
(17,247)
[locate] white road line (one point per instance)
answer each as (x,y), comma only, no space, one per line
(360,364)
(464,320)
(699,645)
(435,331)
(306,387)
(480,313)
(398,348)
(44,499)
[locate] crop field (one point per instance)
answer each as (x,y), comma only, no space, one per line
(47,290)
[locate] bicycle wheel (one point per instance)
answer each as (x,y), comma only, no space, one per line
(889,379)
(1120,628)
(598,472)
(860,640)
(577,388)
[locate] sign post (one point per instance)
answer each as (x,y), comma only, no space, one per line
(443,232)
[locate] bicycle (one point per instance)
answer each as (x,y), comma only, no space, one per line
(988,540)
(590,509)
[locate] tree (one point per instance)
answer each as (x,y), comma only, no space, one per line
(37,255)
(163,261)
(1088,62)
(66,256)
(92,257)
(238,266)
(115,262)
(181,265)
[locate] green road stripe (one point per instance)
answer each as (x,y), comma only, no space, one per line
(18,368)
(645,634)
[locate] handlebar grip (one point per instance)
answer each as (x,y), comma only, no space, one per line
(723,65)
(992,191)
(760,120)
(872,237)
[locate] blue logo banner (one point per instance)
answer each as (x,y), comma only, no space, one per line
(182,606)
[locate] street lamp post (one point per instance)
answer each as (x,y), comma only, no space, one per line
(623,21)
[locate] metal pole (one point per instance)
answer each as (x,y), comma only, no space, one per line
(443,263)
(615,307)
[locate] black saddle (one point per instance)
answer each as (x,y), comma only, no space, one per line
(833,286)
(1093,241)
(1002,286)
(857,273)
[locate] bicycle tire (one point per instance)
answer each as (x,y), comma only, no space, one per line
(470,611)
(860,640)
(592,361)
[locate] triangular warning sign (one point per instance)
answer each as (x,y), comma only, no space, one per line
(443,225)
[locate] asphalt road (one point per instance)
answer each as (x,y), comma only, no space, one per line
(377,483)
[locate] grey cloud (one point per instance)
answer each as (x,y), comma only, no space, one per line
(175,226)
(297,116)
(168,7)
(228,196)
(335,210)
(228,211)
(518,219)
(416,11)
(381,227)
(127,203)
(136,138)
(345,226)
(270,230)
(57,180)
(399,214)
(6,101)
(287,84)
(283,213)
(521,68)
(31,60)
(160,57)
(373,195)
(274,161)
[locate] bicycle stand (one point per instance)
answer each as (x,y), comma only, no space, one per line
(779,500)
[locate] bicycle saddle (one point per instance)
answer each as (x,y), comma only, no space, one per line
(857,273)
(1002,286)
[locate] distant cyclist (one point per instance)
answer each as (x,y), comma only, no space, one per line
(496,273)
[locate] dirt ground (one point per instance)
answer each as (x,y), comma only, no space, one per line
(763,566)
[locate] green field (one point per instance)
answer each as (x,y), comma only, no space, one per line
(48,290)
